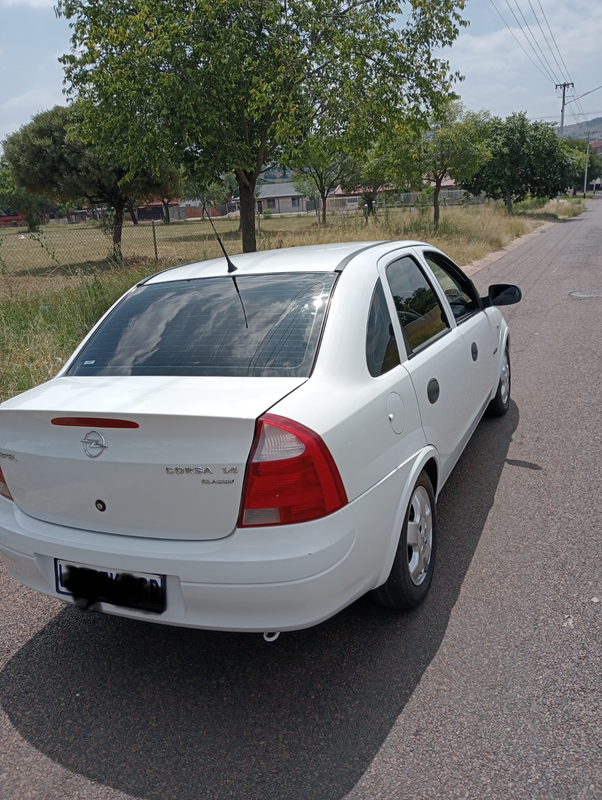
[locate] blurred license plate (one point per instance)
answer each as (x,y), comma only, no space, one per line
(91,585)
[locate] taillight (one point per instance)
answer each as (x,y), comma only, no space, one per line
(4,490)
(291,476)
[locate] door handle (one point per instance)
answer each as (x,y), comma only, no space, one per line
(432,390)
(474,351)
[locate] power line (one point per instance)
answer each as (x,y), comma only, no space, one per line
(518,43)
(566,74)
(557,116)
(591,91)
(580,111)
(550,76)
(546,38)
(554,40)
(520,11)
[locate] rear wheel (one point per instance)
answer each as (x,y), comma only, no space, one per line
(412,570)
(501,402)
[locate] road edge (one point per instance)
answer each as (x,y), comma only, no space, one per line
(490,258)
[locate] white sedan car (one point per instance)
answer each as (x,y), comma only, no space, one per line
(254,450)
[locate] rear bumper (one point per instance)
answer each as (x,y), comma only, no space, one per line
(260,579)
(255,580)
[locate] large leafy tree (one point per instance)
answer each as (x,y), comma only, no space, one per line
(526,158)
(48,159)
(231,86)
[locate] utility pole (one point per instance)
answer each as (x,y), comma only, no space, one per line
(564,87)
(586,164)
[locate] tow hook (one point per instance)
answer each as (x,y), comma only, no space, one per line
(271,636)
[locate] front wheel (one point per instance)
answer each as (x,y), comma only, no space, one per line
(501,402)
(412,570)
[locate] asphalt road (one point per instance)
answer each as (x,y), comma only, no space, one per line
(492,688)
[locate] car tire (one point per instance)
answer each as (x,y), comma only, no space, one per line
(412,571)
(501,402)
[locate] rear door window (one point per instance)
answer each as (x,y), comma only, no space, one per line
(252,325)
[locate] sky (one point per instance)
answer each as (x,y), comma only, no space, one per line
(499,58)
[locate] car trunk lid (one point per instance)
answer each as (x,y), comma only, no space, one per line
(78,456)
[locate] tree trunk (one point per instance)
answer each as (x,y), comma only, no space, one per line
(132,211)
(33,221)
(436,192)
(117,228)
(247,215)
(509,201)
(323,201)
(165,204)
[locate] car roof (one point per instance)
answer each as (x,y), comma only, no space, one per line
(310,258)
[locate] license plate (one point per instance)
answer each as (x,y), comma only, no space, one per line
(91,585)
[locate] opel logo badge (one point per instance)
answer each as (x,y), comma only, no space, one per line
(94,444)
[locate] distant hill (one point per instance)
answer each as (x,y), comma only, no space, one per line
(579,131)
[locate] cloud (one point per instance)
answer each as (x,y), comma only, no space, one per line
(34,99)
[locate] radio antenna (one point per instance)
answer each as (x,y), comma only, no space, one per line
(231,267)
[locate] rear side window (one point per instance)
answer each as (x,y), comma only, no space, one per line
(198,327)
(381,348)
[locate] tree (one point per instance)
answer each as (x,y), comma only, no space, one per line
(49,160)
(452,147)
(320,167)
(230,86)
(166,185)
(369,175)
(14,199)
(308,189)
(526,158)
(216,192)
(578,148)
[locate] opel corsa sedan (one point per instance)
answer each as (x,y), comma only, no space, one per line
(254,450)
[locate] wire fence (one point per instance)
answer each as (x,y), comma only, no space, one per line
(55,255)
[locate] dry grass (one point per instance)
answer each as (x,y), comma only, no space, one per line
(563,208)
(59,251)
(44,314)
(464,233)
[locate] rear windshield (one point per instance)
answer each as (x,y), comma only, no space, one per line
(198,327)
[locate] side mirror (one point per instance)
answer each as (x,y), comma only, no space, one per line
(502,294)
